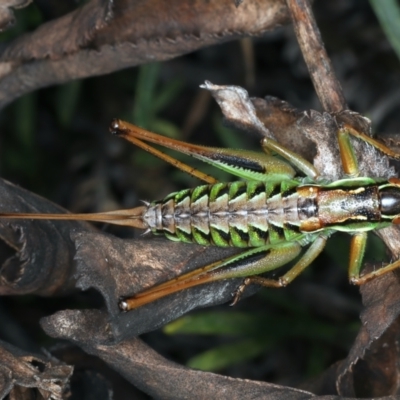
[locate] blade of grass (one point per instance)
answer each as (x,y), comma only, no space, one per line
(388,14)
(68,96)
(229,354)
(143,109)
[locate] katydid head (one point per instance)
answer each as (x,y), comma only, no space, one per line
(390,200)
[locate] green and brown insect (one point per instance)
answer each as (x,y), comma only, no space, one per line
(270,213)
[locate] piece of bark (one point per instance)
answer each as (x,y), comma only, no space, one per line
(104,36)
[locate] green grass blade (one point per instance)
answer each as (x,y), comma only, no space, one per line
(229,354)
(213,323)
(68,96)
(143,110)
(388,14)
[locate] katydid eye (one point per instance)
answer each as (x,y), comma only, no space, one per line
(390,201)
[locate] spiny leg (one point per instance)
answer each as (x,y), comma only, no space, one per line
(245,164)
(308,257)
(134,134)
(301,163)
(251,262)
(373,274)
(349,161)
(373,142)
(357,250)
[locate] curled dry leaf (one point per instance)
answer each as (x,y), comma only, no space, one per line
(154,374)
(281,118)
(18,369)
(40,254)
(104,36)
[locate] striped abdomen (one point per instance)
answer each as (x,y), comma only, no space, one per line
(240,214)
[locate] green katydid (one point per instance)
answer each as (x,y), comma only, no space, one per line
(270,213)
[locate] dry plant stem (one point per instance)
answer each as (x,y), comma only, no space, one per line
(326,85)
(102,37)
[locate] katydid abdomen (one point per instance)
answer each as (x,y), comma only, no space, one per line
(238,214)
(253,214)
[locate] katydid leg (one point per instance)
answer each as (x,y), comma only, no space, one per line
(373,274)
(301,163)
(136,135)
(308,257)
(251,262)
(245,164)
(349,161)
(373,142)
(357,250)
(348,157)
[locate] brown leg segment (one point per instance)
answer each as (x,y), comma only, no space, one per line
(373,274)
